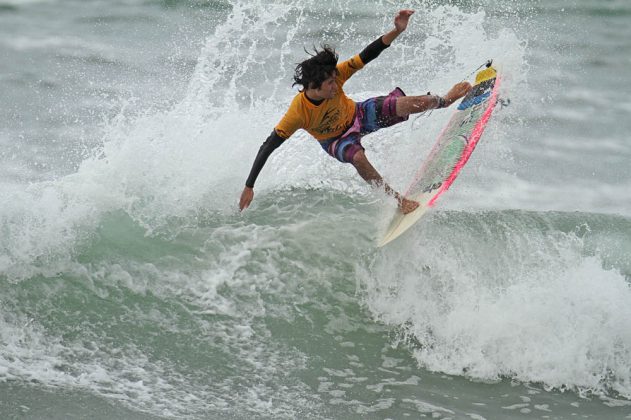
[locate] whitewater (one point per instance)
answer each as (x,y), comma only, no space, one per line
(131,286)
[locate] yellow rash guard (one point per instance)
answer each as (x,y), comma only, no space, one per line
(327,120)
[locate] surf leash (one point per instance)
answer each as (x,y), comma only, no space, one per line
(487,64)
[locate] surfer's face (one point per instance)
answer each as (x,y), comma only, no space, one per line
(328,88)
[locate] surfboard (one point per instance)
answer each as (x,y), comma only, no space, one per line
(450,152)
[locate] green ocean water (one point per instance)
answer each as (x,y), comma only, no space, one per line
(130,286)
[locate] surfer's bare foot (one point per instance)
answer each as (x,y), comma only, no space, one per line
(456,92)
(407,206)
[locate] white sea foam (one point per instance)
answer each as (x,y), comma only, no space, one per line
(534,307)
(143,380)
(156,167)
(29,353)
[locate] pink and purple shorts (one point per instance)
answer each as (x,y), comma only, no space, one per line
(370,116)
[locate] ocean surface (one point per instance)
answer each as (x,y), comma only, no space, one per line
(132,288)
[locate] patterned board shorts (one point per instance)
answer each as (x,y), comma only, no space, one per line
(370,116)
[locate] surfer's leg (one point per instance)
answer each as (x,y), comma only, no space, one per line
(407,105)
(370,175)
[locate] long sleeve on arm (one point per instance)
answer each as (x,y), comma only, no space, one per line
(272,143)
(373,50)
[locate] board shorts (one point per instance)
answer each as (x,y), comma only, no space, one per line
(370,115)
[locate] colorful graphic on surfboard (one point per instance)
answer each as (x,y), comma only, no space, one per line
(451,151)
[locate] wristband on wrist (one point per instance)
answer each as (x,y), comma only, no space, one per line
(441,102)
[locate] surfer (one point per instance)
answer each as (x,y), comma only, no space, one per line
(336,121)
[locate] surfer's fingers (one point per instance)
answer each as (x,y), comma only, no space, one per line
(405,14)
(246,198)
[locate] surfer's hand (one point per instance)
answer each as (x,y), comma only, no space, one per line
(407,206)
(246,198)
(458,91)
(402,18)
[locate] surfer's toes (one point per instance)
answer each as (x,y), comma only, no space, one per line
(407,206)
(458,91)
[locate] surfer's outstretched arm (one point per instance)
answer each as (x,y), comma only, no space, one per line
(375,48)
(370,175)
(400,24)
(266,149)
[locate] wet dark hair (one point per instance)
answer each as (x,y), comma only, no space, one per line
(313,71)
